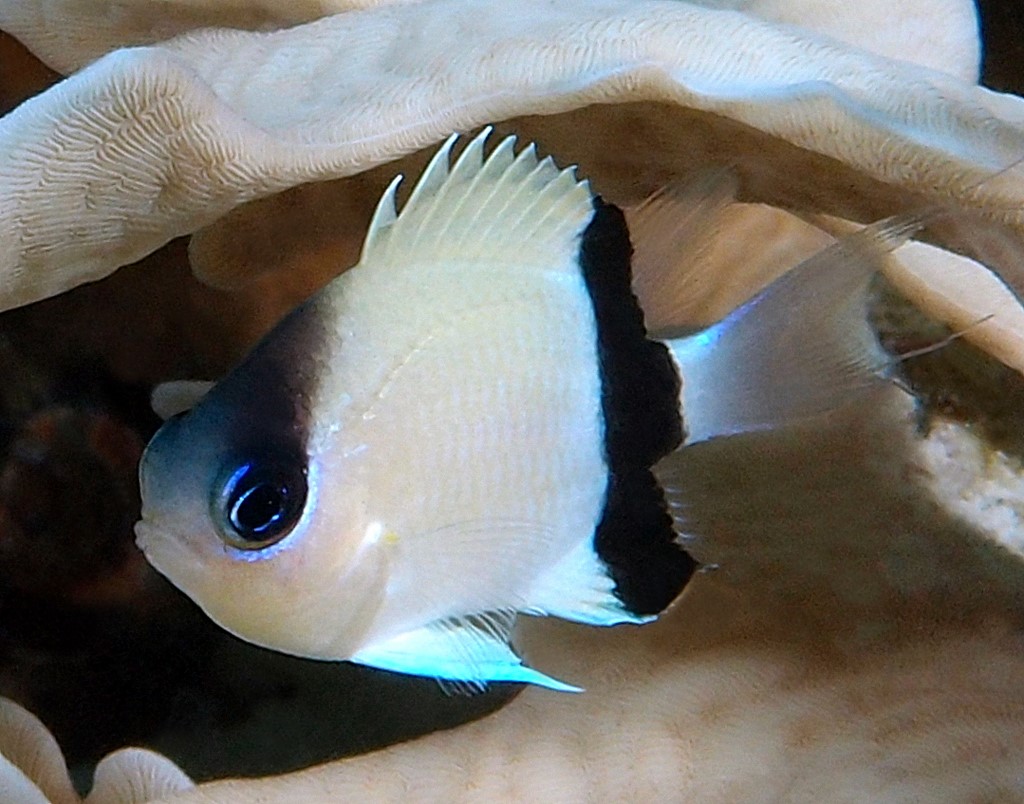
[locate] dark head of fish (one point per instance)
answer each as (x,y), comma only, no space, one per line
(250,429)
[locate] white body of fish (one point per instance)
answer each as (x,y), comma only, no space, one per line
(461,429)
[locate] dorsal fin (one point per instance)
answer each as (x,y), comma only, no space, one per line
(671,231)
(507,207)
(698,252)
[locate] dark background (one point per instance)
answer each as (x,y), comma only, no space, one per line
(1002,31)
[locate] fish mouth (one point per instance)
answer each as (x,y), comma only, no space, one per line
(145,534)
(154,542)
(167,554)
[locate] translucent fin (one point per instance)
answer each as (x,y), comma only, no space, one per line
(171,398)
(670,231)
(507,208)
(472,650)
(797,349)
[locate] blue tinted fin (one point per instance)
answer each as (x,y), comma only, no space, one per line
(473,651)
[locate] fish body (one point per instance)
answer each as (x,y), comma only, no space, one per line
(462,429)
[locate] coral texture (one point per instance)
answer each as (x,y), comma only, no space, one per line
(857,634)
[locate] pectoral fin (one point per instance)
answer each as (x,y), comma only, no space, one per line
(177,396)
(474,651)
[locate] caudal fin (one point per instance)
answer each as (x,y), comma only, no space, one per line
(800,347)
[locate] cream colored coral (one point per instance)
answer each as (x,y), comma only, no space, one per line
(32,769)
(68,34)
(867,648)
(155,142)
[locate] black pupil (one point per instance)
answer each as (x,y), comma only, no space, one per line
(261,501)
(259,508)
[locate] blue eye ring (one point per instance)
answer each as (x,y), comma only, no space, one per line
(259,501)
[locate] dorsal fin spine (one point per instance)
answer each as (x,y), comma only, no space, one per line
(530,167)
(502,155)
(434,175)
(452,188)
(429,190)
(503,209)
(558,189)
(384,215)
(471,162)
(541,182)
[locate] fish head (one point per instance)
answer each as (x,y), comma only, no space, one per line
(232,514)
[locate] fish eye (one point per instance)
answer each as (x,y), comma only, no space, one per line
(260,502)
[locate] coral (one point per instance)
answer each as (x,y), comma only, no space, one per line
(857,632)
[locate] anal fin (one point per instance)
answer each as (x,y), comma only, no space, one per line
(470,651)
